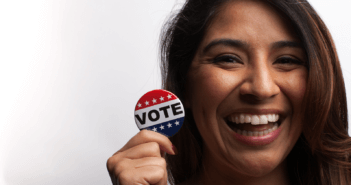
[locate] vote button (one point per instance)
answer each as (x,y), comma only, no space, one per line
(160,111)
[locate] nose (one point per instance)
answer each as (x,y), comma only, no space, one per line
(259,84)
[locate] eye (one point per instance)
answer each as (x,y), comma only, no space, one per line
(226,59)
(289,61)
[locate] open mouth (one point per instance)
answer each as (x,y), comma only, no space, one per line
(254,125)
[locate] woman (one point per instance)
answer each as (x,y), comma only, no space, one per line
(264,94)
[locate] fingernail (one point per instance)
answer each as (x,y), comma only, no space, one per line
(163,149)
(175,151)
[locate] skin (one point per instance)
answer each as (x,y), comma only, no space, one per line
(222,79)
(141,161)
(254,77)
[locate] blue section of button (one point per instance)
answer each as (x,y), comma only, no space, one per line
(168,128)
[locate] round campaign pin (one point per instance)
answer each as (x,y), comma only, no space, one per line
(161,111)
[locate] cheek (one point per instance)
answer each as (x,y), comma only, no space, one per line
(294,86)
(208,86)
(295,83)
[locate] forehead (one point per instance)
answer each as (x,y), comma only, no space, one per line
(249,19)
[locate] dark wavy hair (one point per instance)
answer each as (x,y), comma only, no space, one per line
(321,154)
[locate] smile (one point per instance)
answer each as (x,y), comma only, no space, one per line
(253,119)
(255,129)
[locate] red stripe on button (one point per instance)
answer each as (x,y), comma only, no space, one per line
(154,97)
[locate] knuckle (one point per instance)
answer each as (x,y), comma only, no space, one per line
(121,166)
(110,163)
(163,162)
(113,161)
(144,134)
(159,172)
(154,147)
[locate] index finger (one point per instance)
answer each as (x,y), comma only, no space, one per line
(146,136)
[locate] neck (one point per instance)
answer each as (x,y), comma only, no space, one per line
(214,172)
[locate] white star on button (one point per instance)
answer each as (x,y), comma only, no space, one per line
(139,105)
(169,125)
(169,96)
(154,129)
(154,100)
(161,98)
(176,123)
(162,127)
(146,103)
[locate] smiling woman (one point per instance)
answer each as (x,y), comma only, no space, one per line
(247,71)
(264,96)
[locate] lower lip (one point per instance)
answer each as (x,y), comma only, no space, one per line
(258,140)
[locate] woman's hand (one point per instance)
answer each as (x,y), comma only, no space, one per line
(141,160)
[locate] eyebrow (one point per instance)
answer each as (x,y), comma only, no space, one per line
(242,44)
(226,42)
(284,44)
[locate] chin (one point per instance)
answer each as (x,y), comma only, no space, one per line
(259,167)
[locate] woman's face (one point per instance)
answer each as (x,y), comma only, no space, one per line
(248,68)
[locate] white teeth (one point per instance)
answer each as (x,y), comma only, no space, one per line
(253,119)
(257,133)
(263,120)
(244,133)
(260,133)
(270,118)
(237,119)
(275,126)
(242,118)
(247,119)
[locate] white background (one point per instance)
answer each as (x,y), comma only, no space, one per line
(71,72)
